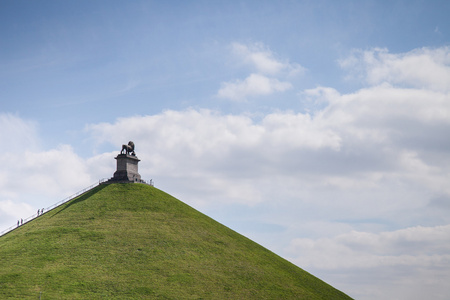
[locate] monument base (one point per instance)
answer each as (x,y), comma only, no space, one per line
(127,169)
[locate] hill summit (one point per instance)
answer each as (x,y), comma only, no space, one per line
(133,241)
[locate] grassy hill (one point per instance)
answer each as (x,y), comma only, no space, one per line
(133,241)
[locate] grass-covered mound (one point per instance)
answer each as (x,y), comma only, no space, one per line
(133,241)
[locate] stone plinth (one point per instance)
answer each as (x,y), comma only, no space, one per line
(127,169)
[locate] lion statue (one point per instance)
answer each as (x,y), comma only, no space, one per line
(128,149)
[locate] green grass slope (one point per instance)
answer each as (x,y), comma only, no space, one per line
(133,241)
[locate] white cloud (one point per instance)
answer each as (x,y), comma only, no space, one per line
(269,74)
(33,177)
(263,60)
(259,57)
(415,246)
(204,134)
(421,68)
(55,168)
(49,172)
(17,134)
(417,253)
(253,85)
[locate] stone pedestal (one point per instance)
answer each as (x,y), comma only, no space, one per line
(127,169)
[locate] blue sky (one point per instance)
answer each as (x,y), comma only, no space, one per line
(317,128)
